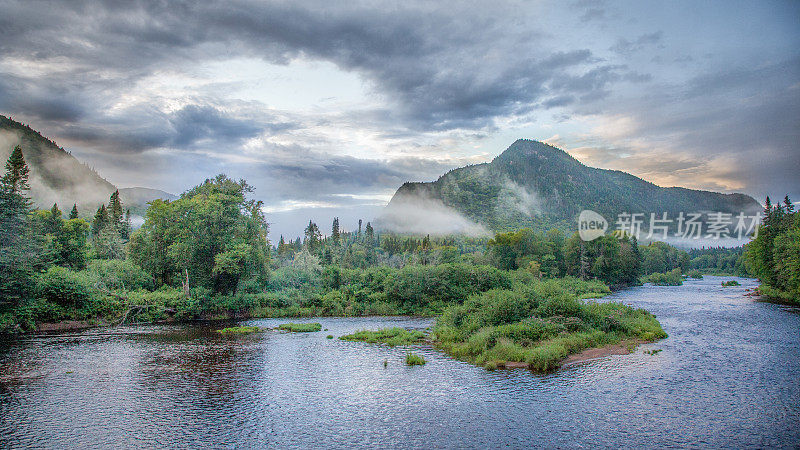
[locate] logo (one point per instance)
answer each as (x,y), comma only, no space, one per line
(591,225)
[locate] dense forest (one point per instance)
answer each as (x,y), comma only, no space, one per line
(207,255)
(774,255)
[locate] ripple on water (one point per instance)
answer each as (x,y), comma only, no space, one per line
(726,376)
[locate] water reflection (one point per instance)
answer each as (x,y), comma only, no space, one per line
(726,376)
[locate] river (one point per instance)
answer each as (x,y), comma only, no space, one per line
(727,376)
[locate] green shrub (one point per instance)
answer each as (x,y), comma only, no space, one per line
(120,274)
(671,278)
(300,327)
(390,336)
(730,283)
(66,287)
(413,359)
(539,324)
(239,330)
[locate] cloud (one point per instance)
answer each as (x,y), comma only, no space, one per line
(626,47)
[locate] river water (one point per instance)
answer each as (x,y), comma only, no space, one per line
(727,376)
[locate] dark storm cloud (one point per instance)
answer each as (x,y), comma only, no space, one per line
(625,46)
(441,73)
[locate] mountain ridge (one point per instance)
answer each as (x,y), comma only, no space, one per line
(538,185)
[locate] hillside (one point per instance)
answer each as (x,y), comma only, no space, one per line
(56,175)
(537,185)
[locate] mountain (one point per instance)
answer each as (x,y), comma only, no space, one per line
(142,195)
(533,184)
(56,175)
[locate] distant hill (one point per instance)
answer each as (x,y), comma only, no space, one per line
(533,184)
(56,176)
(136,198)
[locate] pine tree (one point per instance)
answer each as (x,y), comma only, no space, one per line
(359,227)
(369,231)
(74,213)
(313,236)
(18,252)
(335,234)
(16,177)
(281,246)
(788,204)
(115,213)
(55,220)
(127,227)
(100,220)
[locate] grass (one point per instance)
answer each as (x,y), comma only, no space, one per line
(389,336)
(300,327)
(730,283)
(239,330)
(413,359)
(539,324)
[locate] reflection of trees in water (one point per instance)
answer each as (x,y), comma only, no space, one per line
(201,363)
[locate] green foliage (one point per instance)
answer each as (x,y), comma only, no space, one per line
(212,231)
(671,278)
(412,359)
(389,336)
(239,330)
(774,255)
(66,287)
(695,274)
(538,186)
(730,283)
(300,327)
(538,324)
(120,275)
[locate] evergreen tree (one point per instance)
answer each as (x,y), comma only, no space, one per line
(127,227)
(335,234)
(74,213)
(788,204)
(115,213)
(100,220)
(359,227)
(16,176)
(18,252)
(55,220)
(313,236)
(369,231)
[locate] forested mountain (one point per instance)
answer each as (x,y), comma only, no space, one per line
(56,175)
(533,184)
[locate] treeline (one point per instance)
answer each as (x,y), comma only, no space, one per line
(207,255)
(720,261)
(774,255)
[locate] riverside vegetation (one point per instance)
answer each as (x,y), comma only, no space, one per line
(207,255)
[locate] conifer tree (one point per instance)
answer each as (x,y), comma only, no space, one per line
(74,213)
(115,213)
(335,234)
(100,220)
(18,252)
(788,204)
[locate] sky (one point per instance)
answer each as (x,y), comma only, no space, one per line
(326,108)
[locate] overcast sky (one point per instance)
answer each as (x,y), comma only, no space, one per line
(327,107)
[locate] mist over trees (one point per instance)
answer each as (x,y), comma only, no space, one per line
(208,254)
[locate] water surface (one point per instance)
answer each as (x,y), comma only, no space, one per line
(726,377)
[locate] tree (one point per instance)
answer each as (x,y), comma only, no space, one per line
(369,231)
(16,176)
(313,237)
(115,212)
(18,250)
(335,234)
(100,220)
(74,213)
(213,232)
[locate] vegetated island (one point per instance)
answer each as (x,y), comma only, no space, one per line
(535,324)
